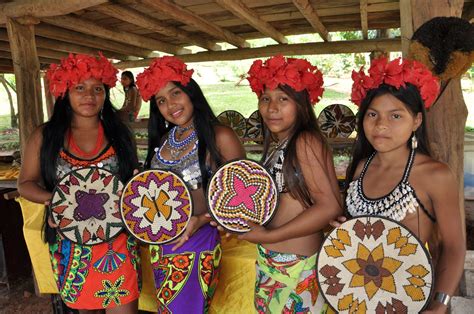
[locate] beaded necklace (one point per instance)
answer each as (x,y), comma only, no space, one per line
(396,204)
(176,146)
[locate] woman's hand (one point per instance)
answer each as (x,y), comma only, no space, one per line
(337,223)
(257,234)
(194,224)
(215,224)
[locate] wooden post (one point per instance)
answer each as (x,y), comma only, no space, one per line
(406,24)
(27,74)
(447,117)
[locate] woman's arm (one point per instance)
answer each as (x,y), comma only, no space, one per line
(320,178)
(29,181)
(443,191)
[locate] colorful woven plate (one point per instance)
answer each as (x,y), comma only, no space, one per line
(242,190)
(254,126)
(374,265)
(85,206)
(235,120)
(337,121)
(156,206)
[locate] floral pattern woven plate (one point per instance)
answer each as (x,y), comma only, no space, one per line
(156,206)
(374,265)
(85,206)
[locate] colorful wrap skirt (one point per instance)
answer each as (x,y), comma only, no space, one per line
(101,276)
(286,283)
(186,279)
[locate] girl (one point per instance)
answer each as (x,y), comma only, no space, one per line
(392,166)
(84,130)
(185,136)
(302,165)
(133,101)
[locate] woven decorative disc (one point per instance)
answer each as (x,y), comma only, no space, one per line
(156,206)
(235,120)
(254,126)
(242,190)
(374,265)
(85,206)
(337,121)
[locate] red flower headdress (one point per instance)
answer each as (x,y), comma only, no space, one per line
(299,74)
(396,73)
(77,68)
(159,73)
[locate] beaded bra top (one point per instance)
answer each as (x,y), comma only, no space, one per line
(186,166)
(274,164)
(68,162)
(395,205)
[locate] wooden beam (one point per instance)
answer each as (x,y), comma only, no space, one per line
(185,16)
(6,69)
(49,54)
(241,10)
(91,28)
(57,45)
(94,42)
(130,15)
(7,55)
(335,47)
(27,76)
(43,8)
(364,19)
(308,11)
(406,25)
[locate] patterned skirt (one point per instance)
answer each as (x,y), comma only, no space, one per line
(286,283)
(99,276)
(185,280)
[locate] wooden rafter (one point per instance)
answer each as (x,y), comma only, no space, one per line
(187,17)
(364,19)
(91,28)
(308,11)
(241,10)
(41,52)
(333,47)
(43,8)
(96,43)
(133,16)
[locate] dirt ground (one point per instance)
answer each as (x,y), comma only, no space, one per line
(21,298)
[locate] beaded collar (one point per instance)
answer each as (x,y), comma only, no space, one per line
(395,205)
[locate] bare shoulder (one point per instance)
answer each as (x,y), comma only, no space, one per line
(36,137)
(225,134)
(309,143)
(228,143)
(432,172)
(359,168)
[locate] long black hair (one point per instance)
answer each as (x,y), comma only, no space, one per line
(411,98)
(204,121)
(54,131)
(305,123)
(132,80)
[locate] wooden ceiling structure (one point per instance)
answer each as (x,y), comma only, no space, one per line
(133,31)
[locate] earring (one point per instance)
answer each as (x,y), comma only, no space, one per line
(414,141)
(101,117)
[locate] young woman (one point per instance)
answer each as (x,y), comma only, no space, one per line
(185,136)
(302,165)
(133,101)
(392,173)
(84,130)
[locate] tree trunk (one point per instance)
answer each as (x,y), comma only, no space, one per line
(13,116)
